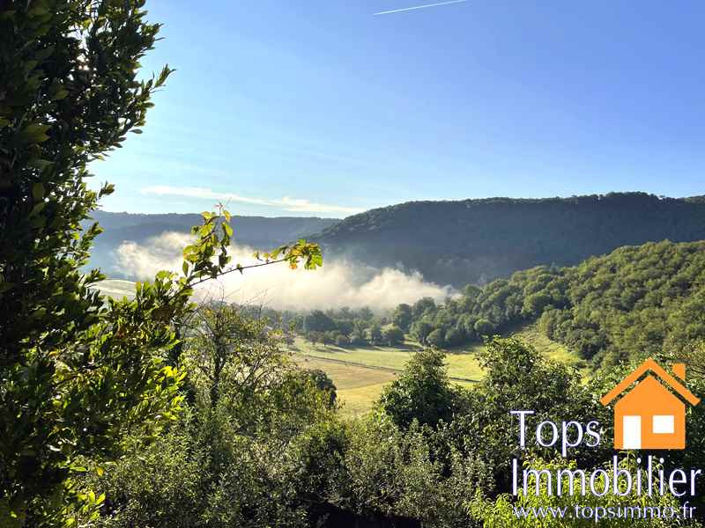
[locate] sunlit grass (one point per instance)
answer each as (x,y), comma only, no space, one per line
(359,385)
(386,357)
(359,400)
(347,376)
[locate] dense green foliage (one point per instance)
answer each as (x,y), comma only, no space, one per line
(228,460)
(419,460)
(70,379)
(474,241)
(343,327)
(518,378)
(634,303)
(80,374)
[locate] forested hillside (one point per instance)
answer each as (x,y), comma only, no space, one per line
(633,303)
(474,241)
(470,241)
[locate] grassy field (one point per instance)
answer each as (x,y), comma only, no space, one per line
(461,364)
(357,386)
(360,373)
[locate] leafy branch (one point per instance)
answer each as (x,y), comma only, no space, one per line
(208,257)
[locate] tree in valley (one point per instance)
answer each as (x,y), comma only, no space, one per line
(436,338)
(422,392)
(392,335)
(420,330)
(373,334)
(402,316)
(422,306)
(318,321)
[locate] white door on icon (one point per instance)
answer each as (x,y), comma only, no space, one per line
(631,432)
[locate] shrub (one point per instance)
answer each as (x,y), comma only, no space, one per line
(422,392)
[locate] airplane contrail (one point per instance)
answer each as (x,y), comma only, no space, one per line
(419,7)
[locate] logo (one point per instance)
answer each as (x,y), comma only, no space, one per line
(650,411)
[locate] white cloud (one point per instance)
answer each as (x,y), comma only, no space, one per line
(337,284)
(286,203)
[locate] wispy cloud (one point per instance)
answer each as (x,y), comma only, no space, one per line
(297,205)
(414,8)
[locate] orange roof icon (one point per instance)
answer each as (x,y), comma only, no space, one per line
(650,366)
(650,412)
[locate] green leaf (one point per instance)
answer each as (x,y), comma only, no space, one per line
(39,163)
(38,208)
(45,53)
(38,191)
(33,133)
(60,94)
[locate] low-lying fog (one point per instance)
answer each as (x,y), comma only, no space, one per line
(338,283)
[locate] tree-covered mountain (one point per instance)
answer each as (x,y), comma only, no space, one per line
(453,242)
(474,241)
(634,303)
(256,231)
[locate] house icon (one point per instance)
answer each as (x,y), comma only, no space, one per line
(651,415)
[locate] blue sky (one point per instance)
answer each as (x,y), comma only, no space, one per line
(321,108)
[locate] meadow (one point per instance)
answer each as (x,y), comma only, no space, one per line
(360,373)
